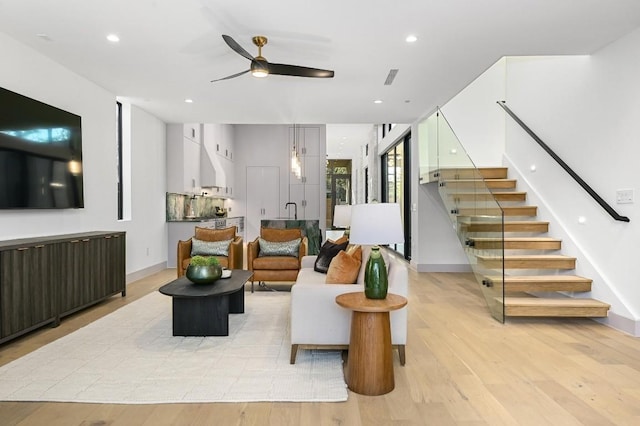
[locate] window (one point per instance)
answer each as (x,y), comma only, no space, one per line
(119,160)
(395,166)
(338,186)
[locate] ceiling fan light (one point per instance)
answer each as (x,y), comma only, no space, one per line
(259,67)
(259,73)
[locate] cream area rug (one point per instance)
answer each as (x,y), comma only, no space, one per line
(131,357)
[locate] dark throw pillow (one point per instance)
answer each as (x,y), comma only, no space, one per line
(328,251)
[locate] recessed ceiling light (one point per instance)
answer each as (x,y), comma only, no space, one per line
(377,101)
(411,39)
(113,38)
(189,101)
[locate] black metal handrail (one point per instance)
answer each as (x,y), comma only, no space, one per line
(564,165)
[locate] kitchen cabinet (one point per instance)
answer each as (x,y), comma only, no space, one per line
(263,197)
(224,145)
(238,222)
(192,131)
(183,157)
(217,168)
(305,190)
(43,279)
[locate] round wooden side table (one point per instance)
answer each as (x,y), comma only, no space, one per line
(370,362)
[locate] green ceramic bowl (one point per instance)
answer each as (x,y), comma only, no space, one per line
(204,274)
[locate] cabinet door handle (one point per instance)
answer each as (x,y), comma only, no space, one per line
(22,248)
(40,246)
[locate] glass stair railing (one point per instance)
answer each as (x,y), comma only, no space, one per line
(474,212)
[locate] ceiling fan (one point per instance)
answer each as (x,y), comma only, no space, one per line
(260,67)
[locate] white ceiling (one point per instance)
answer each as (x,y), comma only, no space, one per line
(170,50)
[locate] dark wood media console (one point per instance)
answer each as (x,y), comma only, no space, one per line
(43,279)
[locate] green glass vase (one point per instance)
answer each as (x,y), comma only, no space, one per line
(376,282)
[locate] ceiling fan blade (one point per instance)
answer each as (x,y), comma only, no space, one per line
(298,71)
(236,47)
(231,76)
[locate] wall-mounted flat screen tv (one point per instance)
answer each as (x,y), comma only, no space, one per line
(40,155)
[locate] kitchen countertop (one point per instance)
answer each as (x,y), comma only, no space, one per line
(203,219)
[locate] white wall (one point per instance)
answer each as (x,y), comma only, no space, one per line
(477,119)
(147,229)
(585,108)
(26,72)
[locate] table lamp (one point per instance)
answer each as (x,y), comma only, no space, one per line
(342,217)
(374,224)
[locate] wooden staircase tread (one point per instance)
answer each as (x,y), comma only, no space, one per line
(554,302)
(465,180)
(493,172)
(481,183)
(512,222)
(494,193)
(466,187)
(539,278)
(508,226)
(525,210)
(515,243)
(554,307)
(531,239)
(469,172)
(527,257)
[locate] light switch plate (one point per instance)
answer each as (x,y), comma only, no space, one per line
(624,196)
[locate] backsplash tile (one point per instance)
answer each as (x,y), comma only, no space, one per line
(179,206)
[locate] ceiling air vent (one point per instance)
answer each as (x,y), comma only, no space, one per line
(390,77)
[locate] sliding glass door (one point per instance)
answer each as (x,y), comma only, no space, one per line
(396,187)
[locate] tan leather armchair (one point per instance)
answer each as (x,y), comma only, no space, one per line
(275,268)
(233,261)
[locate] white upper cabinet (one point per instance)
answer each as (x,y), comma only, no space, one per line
(192,131)
(224,144)
(183,158)
(216,168)
(305,189)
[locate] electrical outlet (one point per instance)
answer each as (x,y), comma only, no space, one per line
(624,196)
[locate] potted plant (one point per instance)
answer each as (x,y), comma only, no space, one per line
(204,269)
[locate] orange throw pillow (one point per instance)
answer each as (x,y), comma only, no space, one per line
(343,269)
(340,240)
(355,251)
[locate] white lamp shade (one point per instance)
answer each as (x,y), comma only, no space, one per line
(376,223)
(342,216)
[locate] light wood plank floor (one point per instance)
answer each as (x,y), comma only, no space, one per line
(463,368)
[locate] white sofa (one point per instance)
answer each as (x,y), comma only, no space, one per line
(318,321)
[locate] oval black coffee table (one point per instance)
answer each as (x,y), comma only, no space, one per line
(203,309)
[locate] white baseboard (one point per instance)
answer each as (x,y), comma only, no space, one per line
(142,273)
(426,267)
(627,325)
